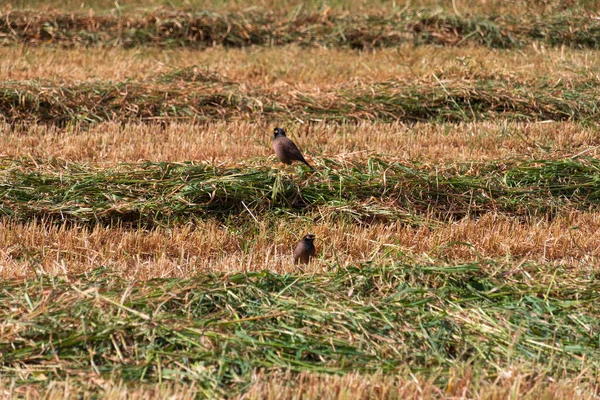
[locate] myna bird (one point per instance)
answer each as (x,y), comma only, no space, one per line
(286,150)
(305,249)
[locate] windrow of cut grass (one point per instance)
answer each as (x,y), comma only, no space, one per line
(574,28)
(157,193)
(219,330)
(191,95)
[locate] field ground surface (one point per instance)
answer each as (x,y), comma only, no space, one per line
(146,227)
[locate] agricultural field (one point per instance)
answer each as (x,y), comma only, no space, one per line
(147,228)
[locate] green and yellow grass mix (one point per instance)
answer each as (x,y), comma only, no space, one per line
(146,228)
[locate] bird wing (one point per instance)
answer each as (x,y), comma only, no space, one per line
(293,150)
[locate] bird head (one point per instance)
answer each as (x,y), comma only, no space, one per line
(278,132)
(309,238)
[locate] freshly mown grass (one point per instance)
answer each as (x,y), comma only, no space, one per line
(328,28)
(156,193)
(191,95)
(218,330)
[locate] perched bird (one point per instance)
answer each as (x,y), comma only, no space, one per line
(305,249)
(286,150)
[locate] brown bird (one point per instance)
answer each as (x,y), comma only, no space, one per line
(305,249)
(286,150)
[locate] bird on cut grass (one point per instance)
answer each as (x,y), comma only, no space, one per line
(285,149)
(305,249)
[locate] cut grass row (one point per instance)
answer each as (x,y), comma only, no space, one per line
(191,95)
(218,330)
(157,193)
(573,28)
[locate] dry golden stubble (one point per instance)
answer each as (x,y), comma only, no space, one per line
(239,142)
(312,385)
(516,7)
(514,381)
(304,69)
(27,249)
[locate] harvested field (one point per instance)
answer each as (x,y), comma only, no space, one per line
(146,227)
